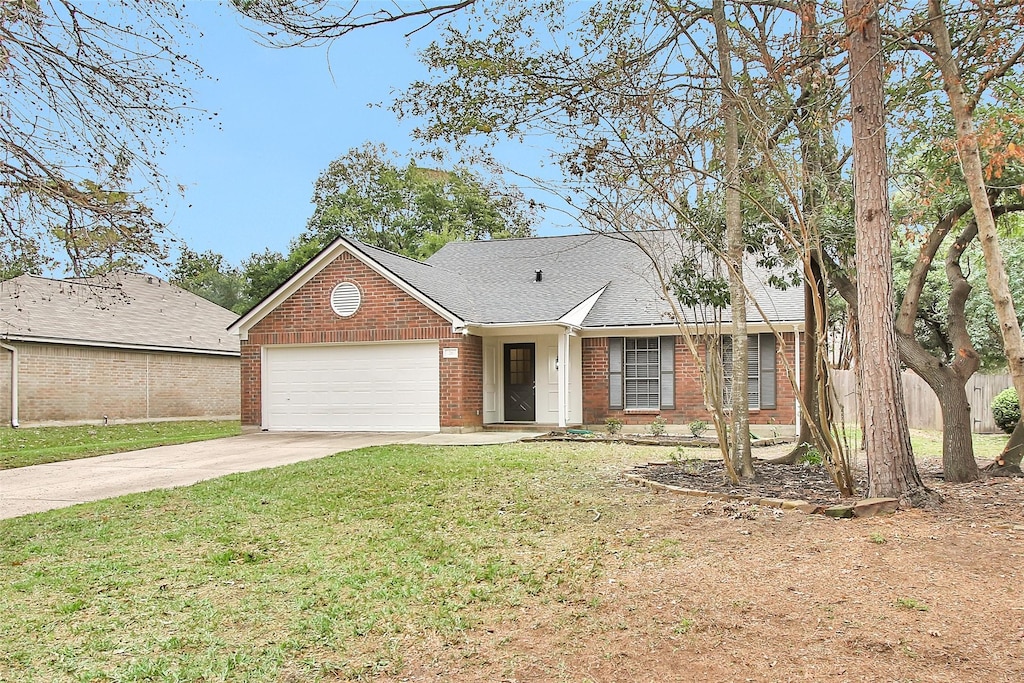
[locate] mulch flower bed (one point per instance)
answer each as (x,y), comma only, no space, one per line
(649,439)
(774,481)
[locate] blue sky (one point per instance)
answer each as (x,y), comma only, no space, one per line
(283,116)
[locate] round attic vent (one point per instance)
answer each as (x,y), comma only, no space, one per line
(345,299)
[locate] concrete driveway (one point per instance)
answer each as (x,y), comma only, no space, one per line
(61,484)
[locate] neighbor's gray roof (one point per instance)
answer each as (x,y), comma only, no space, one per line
(494,281)
(120,309)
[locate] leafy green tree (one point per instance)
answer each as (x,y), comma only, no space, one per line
(410,210)
(981,316)
(209,276)
(364,194)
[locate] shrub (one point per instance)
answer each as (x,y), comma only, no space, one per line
(811,457)
(658,426)
(698,427)
(613,425)
(1006,409)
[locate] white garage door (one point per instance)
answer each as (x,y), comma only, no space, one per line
(367,387)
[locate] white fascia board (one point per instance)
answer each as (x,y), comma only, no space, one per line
(116,345)
(495,329)
(781,326)
(579,313)
(242,326)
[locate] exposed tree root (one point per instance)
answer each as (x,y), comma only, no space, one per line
(921,497)
(996,470)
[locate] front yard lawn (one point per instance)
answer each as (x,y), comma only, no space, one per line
(37,445)
(529,562)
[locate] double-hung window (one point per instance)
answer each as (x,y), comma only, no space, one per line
(760,374)
(642,367)
(641,373)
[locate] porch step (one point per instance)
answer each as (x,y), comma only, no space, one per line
(519,427)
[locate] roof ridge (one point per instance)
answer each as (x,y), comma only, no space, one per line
(389,252)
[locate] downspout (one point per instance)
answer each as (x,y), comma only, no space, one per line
(14,382)
(799,387)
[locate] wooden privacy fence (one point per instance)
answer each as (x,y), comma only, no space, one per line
(922,407)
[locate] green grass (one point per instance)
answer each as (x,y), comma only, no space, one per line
(986,446)
(927,443)
(911,604)
(318,570)
(36,445)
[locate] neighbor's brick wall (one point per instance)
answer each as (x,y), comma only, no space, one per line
(59,383)
(689,402)
(5,387)
(385,314)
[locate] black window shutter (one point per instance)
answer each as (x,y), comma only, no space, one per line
(615,345)
(768,371)
(668,372)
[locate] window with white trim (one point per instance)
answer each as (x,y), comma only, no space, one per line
(641,373)
(642,369)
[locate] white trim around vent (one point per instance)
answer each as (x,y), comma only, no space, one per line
(345,299)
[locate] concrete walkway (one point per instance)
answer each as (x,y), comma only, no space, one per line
(25,490)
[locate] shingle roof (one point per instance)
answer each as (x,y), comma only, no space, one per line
(443,286)
(120,309)
(499,276)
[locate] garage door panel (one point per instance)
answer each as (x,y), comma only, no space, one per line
(372,387)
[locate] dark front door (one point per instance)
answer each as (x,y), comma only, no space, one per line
(520,403)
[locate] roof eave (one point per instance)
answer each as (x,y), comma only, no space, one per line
(33,339)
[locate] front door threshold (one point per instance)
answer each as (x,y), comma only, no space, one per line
(520,426)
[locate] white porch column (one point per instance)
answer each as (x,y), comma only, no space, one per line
(563,378)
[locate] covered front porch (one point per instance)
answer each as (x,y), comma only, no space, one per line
(531,375)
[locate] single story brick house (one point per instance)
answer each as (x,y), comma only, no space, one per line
(545,331)
(123,346)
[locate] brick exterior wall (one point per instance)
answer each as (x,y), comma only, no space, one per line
(386,313)
(689,402)
(58,383)
(5,387)
(462,383)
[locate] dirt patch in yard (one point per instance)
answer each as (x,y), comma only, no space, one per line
(684,589)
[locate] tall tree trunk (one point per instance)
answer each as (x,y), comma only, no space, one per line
(891,468)
(734,250)
(974,175)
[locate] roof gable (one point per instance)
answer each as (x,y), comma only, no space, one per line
(411,276)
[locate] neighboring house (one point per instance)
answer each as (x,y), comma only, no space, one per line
(552,331)
(120,347)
